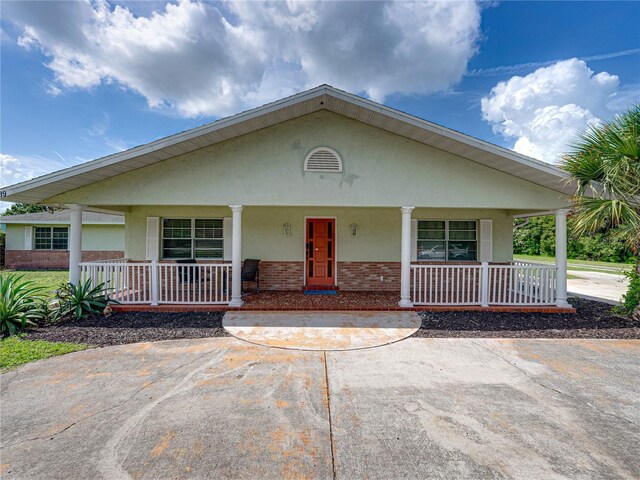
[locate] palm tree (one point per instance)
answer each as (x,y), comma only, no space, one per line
(605,165)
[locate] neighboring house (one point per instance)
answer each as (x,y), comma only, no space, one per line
(329,190)
(41,240)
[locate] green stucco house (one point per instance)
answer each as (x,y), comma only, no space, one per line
(40,241)
(329,191)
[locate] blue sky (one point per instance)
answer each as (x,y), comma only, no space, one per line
(80,81)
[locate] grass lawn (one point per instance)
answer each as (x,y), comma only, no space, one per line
(15,351)
(580,265)
(49,279)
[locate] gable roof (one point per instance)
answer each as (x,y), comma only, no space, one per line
(63,217)
(323,97)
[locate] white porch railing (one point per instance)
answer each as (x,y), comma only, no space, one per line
(518,284)
(446,284)
(194,283)
(153,283)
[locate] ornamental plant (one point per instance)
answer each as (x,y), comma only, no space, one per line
(605,165)
(79,300)
(20,304)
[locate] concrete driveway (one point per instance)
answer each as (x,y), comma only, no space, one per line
(598,285)
(420,408)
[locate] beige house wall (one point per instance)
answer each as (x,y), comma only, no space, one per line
(15,237)
(378,238)
(94,237)
(265,168)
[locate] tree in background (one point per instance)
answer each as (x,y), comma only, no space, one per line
(538,237)
(20,208)
(605,164)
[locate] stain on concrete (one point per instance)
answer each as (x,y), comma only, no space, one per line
(162,444)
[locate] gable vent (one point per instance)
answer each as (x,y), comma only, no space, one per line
(323,159)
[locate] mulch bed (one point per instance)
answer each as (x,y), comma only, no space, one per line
(133,327)
(592,320)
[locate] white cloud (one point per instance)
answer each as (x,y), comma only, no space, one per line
(545,110)
(18,169)
(199,58)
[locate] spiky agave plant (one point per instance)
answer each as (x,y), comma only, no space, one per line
(20,304)
(80,300)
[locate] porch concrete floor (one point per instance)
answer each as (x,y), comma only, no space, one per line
(321,330)
(419,408)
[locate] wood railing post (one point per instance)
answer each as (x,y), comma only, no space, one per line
(484,285)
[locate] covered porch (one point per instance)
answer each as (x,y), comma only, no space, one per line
(421,278)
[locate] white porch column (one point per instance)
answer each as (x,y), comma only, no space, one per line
(75,243)
(405,269)
(561,258)
(236,256)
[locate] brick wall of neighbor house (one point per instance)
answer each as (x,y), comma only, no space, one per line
(52,259)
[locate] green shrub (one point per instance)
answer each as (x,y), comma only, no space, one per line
(79,300)
(20,304)
(631,299)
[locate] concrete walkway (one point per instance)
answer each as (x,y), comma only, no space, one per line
(598,285)
(420,408)
(322,330)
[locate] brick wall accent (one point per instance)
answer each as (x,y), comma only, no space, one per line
(351,276)
(280,276)
(366,276)
(52,259)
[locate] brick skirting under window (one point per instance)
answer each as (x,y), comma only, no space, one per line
(52,259)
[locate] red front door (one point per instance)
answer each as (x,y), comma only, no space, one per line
(320,251)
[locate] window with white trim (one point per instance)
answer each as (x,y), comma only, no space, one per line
(51,238)
(450,240)
(192,238)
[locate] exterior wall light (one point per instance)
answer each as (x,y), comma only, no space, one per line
(354,230)
(286,230)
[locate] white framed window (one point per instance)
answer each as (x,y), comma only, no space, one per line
(192,238)
(51,238)
(447,240)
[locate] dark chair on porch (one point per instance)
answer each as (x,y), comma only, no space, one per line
(188,274)
(251,272)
